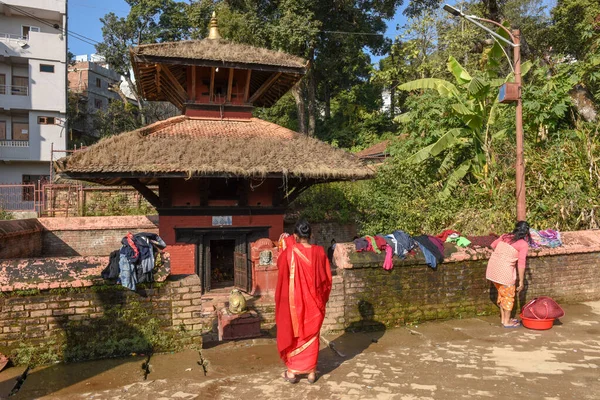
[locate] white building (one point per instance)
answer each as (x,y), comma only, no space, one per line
(33,87)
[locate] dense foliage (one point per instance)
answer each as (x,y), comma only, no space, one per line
(433,95)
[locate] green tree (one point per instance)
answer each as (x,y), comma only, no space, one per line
(149,21)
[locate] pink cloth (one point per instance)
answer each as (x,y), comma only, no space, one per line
(520,245)
(387,263)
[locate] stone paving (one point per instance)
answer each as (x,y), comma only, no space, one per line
(460,359)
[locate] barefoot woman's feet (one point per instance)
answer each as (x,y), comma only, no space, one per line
(312,378)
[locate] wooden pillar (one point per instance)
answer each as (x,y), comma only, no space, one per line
(229,85)
(247,88)
(211,92)
(193,94)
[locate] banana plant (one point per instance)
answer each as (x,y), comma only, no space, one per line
(467,148)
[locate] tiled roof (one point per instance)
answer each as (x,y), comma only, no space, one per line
(374,151)
(207,147)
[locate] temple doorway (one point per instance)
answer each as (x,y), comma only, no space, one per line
(221,263)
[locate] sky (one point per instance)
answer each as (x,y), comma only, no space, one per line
(84,19)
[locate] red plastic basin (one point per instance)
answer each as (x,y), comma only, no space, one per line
(538,324)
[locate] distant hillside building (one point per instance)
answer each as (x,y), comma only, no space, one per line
(93,81)
(33,102)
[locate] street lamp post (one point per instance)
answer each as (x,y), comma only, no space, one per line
(515,43)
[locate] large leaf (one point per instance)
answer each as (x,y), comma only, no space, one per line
(525,67)
(421,155)
(496,53)
(494,112)
(446,141)
(500,134)
(468,117)
(443,143)
(478,88)
(454,179)
(444,88)
(461,74)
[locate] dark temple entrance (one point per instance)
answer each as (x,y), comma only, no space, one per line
(221,263)
(223,254)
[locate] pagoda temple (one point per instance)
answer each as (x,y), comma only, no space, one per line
(224,177)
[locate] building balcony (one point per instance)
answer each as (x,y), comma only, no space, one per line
(37,45)
(14,97)
(49,9)
(14,150)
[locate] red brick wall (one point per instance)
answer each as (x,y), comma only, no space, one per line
(20,238)
(183,256)
(91,236)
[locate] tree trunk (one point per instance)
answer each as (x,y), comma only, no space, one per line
(327,102)
(298,94)
(583,103)
(312,106)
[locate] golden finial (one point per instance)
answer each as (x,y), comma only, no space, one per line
(213,28)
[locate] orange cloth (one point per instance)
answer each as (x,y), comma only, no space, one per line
(506,296)
(303,287)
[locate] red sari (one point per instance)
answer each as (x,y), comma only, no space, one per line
(303,287)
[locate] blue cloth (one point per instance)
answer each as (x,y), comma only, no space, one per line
(127,273)
(429,257)
(404,242)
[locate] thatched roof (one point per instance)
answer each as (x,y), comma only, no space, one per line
(221,51)
(184,146)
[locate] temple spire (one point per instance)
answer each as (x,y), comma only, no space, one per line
(213,30)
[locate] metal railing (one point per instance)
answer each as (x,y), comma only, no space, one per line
(14,143)
(10,36)
(14,90)
(18,90)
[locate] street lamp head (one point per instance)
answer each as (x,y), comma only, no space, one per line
(452,10)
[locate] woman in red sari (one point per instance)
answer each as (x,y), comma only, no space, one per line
(303,286)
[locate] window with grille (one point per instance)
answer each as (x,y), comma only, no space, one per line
(98,103)
(98,82)
(2,84)
(46,120)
